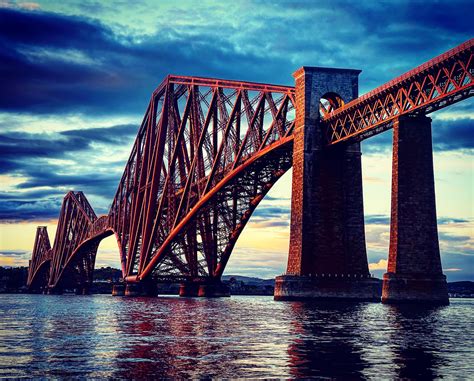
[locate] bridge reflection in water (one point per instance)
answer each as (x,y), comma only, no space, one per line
(102,336)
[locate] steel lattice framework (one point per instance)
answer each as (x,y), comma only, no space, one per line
(437,83)
(206,154)
(40,260)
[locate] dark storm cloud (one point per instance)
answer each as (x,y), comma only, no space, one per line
(40,204)
(29,155)
(34,209)
(453,135)
(52,63)
(20,149)
(57,64)
(101,185)
(46,203)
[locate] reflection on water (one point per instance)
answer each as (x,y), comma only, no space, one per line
(101,336)
(417,332)
(326,342)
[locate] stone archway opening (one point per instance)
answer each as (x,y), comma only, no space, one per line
(328,103)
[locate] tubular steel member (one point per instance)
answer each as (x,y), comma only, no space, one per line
(78,235)
(206,154)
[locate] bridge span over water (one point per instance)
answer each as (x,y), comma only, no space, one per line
(208,151)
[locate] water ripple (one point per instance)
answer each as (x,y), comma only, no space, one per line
(249,337)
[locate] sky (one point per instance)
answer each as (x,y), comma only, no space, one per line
(76,78)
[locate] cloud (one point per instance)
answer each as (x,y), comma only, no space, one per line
(53,63)
(14,257)
(380,265)
(102,61)
(265,211)
(47,165)
(452,220)
(447,135)
(20,147)
(377,219)
(30,6)
(452,237)
(21,210)
(13,253)
(57,63)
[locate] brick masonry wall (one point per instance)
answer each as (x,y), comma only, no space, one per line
(414,247)
(327,221)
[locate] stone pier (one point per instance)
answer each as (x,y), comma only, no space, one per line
(327,256)
(414,272)
(207,290)
(141,289)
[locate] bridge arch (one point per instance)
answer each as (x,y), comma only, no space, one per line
(261,172)
(38,279)
(77,271)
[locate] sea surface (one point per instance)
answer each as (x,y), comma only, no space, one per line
(243,336)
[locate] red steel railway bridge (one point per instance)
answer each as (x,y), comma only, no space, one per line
(208,151)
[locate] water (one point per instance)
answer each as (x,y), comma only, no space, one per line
(241,336)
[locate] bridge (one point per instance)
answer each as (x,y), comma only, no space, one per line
(208,151)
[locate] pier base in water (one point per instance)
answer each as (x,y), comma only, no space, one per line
(141,289)
(415,289)
(118,290)
(188,289)
(204,290)
(293,287)
(213,290)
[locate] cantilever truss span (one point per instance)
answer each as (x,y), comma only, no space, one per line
(206,154)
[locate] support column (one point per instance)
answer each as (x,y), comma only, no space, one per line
(118,290)
(211,289)
(143,288)
(327,257)
(188,289)
(214,290)
(414,271)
